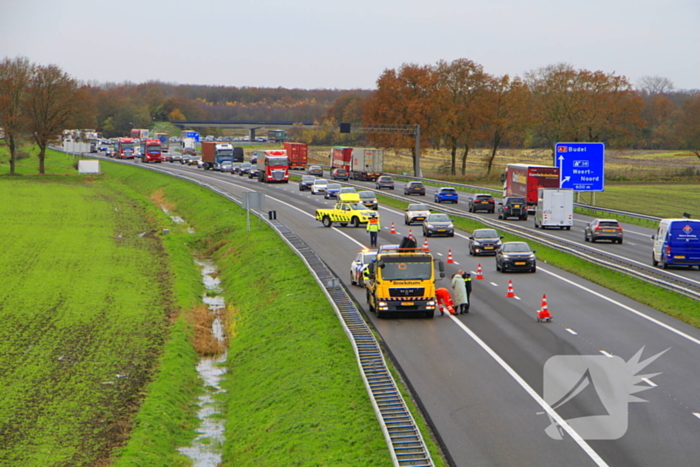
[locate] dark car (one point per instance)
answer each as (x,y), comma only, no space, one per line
(306,182)
(438,224)
(253,172)
(484,242)
(332,191)
(185,158)
(512,207)
(369,199)
(603,229)
(482,202)
(244,168)
(339,174)
(516,256)
(447,194)
(315,170)
(384,181)
(414,188)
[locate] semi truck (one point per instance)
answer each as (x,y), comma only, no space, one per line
(402,281)
(164,139)
(139,133)
(124,148)
(523,180)
(151,151)
(273,166)
(298,154)
(214,153)
(360,163)
(555,208)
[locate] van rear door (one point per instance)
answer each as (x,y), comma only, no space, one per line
(684,242)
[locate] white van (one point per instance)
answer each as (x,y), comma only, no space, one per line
(555,208)
(676,243)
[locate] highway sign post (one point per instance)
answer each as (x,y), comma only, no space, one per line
(581,166)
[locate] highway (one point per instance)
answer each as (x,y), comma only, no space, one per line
(480,378)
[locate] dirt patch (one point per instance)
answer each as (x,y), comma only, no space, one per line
(158,197)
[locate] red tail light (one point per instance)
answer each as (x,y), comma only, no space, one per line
(598,228)
(668,250)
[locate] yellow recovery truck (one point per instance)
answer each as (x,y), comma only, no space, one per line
(403,281)
(348,210)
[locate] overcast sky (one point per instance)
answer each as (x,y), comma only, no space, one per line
(346,44)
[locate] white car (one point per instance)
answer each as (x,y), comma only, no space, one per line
(319,186)
(363,258)
(415,213)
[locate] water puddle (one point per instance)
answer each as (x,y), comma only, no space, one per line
(206,449)
(177,220)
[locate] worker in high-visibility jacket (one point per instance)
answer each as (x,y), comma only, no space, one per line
(373,228)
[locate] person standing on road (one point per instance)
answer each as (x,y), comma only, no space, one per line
(460,295)
(468,284)
(373,228)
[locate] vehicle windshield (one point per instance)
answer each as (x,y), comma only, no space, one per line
(225,152)
(367,195)
(447,190)
(408,269)
(385,179)
(516,248)
(369,257)
(418,207)
(320,182)
(358,207)
(153,148)
(516,201)
(438,218)
(348,189)
(483,197)
(127,146)
(305,178)
(485,234)
(609,224)
(276,162)
(333,186)
(246,165)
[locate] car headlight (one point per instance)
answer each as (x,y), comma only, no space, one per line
(430,226)
(382,304)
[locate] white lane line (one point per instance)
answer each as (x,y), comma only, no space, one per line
(623,306)
(550,411)
(650,382)
(492,283)
(696,414)
(571,331)
(607,354)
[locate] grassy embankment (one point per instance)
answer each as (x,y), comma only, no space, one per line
(294,396)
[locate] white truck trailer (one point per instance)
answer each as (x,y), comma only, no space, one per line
(555,208)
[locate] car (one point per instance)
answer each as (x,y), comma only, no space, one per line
(244,168)
(109,152)
(195,160)
(484,242)
(254,160)
(384,181)
(482,202)
(185,158)
(319,186)
(347,211)
(361,261)
(339,174)
(603,229)
(512,206)
(516,256)
(438,224)
(415,213)
(315,170)
(235,167)
(190,151)
(414,188)
(306,182)
(225,166)
(348,189)
(332,190)
(175,157)
(253,172)
(447,194)
(369,199)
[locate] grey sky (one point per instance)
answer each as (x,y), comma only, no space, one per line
(347,44)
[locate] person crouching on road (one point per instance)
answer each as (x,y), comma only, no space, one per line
(468,283)
(460,295)
(373,228)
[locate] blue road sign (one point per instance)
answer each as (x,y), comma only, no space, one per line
(193,134)
(581,165)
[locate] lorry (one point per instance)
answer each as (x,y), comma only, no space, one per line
(348,210)
(523,180)
(139,133)
(124,148)
(298,154)
(273,166)
(151,151)
(402,281)
(360,163)
(555,208)
(276,136)
(214,153)
(189,146)
(164,139)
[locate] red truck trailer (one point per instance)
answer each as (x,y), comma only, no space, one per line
(151,151)
(273,166)
(298,154)
(524,180)
(360,163)
(341,158)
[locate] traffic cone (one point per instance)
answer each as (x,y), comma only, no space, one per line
(449,257)
(393,230)
(410,234)
(479,275)
(510,292)
(425,245)
(543,313)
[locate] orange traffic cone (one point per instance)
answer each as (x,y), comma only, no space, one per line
(543,315)
(449,257)
(479,275)
(425,245)
(510,292)
(393,230)
(410,234)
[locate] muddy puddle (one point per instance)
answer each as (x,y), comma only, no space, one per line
(206,449)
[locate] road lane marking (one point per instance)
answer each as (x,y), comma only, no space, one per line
(549,410)
(492,283)
(650,382)
(571,331)
(696,414)
(607,354)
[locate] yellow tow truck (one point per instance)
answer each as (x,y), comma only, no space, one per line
(348,210)
(402,280)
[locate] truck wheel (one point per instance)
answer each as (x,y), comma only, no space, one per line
(326,221)
(355,222)
(663,264)
(653,261)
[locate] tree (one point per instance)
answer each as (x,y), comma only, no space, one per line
(688,125)
(653,85)
(50,104)
(404,97)
(14,79)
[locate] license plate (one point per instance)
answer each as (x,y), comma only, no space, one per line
(440,230)
(516,205)
(488,248)
(608,230)
(407,303)
(420,218)
(520,263)
(679,257)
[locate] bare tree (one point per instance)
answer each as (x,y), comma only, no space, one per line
(50,103)
(652,85)
(14,79)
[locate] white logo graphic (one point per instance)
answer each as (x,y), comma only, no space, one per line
(580,164)
(591,392)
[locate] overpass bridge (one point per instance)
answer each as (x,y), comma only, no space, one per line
(250,125)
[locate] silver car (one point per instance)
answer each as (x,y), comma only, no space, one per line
(438,224)
(319,186)
(603,229)
(415,213)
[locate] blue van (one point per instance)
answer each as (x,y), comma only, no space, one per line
(676,243)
